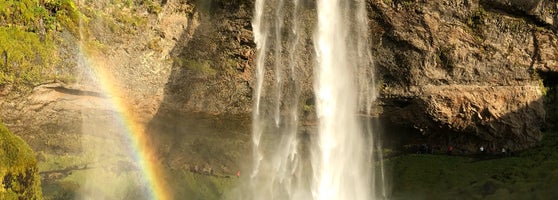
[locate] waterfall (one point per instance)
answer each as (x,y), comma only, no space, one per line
(277,160)
(333,159)
(340,160)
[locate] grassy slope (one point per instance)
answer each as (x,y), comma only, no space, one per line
(181,182)
(207,141)
(532,174)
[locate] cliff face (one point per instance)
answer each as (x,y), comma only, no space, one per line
(466,72)
(213,64)
(469,72)
(125,46)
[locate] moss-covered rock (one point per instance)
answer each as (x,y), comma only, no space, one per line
(18,168)
(28,35)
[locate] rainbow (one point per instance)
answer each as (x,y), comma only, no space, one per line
(144,154)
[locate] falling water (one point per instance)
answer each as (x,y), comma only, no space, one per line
(333,160)
(340,167)
(277,160)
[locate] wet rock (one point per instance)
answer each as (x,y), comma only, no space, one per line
(470,69)
(541,11)
(464,70)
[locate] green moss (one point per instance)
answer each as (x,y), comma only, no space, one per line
(153,8)
(308,108)
(27,39)
(200,66)
(128,22)
(66,14)
(407,2)
(544,89)
(232,63)
(200,187)
(477,21)
(26,59)
(93,47)
(37,16)
(14,151)
(18,168)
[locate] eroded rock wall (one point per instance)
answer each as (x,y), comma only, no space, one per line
(123,53)
(212,66)
(465,73)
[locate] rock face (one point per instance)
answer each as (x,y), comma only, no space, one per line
(465,72)
(134,61)
(213,64)
(51,118)
(18,168)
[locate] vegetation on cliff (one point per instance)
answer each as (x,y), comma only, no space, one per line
(18,168)
(28,54)
(38,38)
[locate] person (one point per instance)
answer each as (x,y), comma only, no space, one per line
(424,148)
(481,149)
(238,173)
(504,151)
(450,149)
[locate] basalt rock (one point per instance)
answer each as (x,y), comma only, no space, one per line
(212,67)
(465,73)
(117,61)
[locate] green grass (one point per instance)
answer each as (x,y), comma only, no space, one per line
(532,174)
(200,187)
(126,184)
(90,174)
(106,169)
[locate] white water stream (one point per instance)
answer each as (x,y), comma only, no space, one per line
(340,162)
(336,160)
